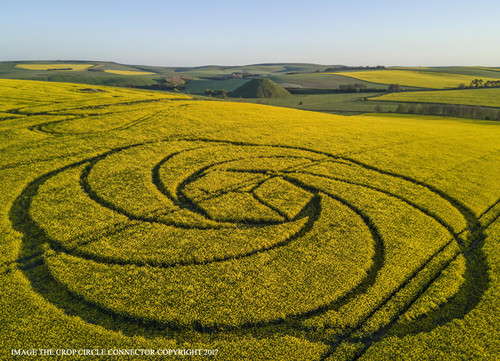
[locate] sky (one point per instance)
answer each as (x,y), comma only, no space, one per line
(214,32)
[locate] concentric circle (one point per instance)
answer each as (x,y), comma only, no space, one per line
(216,234)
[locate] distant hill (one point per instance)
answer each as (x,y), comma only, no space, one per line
(260,88)
(111,73)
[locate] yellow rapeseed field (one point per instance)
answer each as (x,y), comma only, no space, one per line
(481,97)
(74,67)
(129,72)
(136,221)
(420,79)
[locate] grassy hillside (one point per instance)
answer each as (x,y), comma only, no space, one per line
(228,78)
(81,72)
(345,104)
(319,81)
(140,220)
(199,85)
(211,77)
(475,71)
(260,88)
(481,97)
(415,78)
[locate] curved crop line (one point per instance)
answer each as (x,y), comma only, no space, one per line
(34,237)
(33,187)
(467,213)
(487,210)
(426,212)
(43,127)
(476,283)
(55,111)
(185,201)
(156,174)
(378,257)
(40,127)
(396,291)
(21,164)
(270,206)
(364,283)
(255,182)
(462,208)
(424,264)
(113,261)
(493,220)
(195,175)
(248,182)
(25,224)
(107,204)
(369,340)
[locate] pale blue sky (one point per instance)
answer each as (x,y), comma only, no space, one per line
(189,33)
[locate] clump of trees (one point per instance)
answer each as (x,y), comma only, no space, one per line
(394,88)
(98,68)
(176,82)
(343,88)
(234,75)
(450,110)
(480,83)
(344,67)
(216,93)
(352,88)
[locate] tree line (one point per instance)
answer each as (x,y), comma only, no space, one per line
(216,93)
(450,110)
(480,83)
(345,67)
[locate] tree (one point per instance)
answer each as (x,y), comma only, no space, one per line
(394,88)
(378,108)
(476,83)
(402,108)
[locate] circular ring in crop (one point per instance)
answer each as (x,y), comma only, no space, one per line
(224,235)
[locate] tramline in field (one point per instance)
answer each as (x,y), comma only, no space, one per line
(151,220)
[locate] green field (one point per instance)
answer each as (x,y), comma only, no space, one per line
(62,66)
(337,103)
(481,97)
(475,71)
(437,79)
(288,75)
(149,220)
(319,81)
(203,77)
(129,72)
(48,71)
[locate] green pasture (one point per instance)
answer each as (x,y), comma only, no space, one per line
(481,97)
(336,103)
